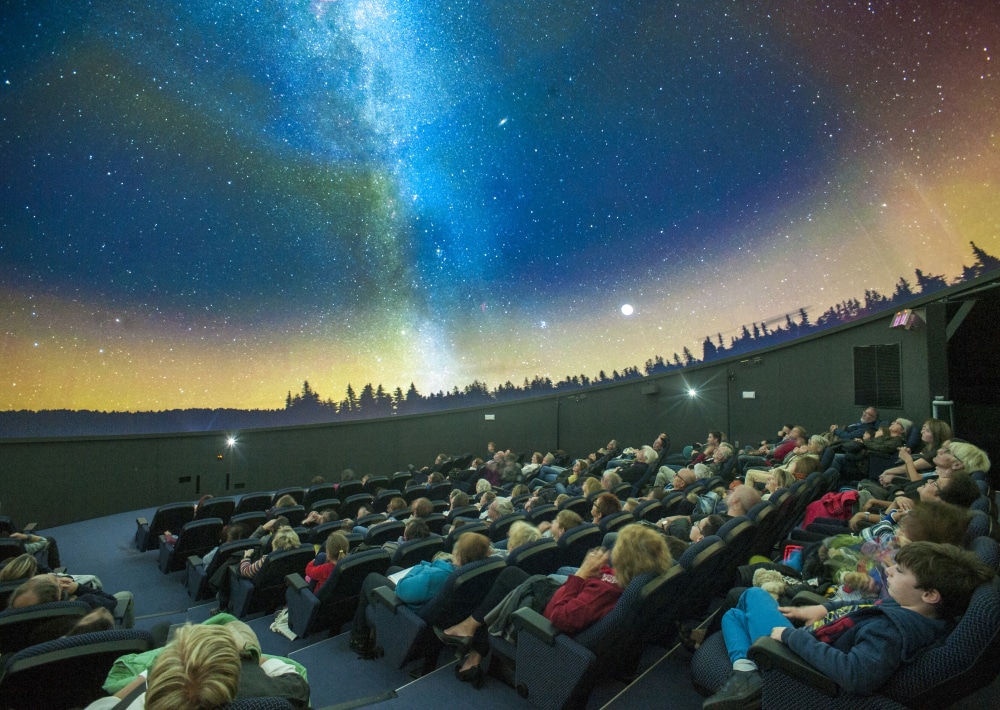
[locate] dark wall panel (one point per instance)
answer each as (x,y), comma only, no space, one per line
(809,382)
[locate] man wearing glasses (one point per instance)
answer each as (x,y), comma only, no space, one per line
(869,422)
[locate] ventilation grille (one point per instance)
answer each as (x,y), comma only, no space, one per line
(878,376)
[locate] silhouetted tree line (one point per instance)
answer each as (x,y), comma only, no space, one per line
(307,407)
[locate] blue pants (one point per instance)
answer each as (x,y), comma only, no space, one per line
(755,616)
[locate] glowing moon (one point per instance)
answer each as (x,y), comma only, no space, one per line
(627,309)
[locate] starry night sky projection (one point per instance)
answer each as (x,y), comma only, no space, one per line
(205,203)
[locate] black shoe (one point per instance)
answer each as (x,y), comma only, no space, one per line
(472,675)
(463,642)
(741,691)
(364,646)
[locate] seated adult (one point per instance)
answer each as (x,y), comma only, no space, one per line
(952,458)
(958,489)
(778,478)
(564,520)
(419,585)
(546,472)
(529,468)
(397,503)
(713,466)
(497,509)
(933,435)
(885,442)
(868,423)
(585,598)
(570,481)
(738,502)
(629,455)
(669,480)
(803,461)
(604,505)
(521,533)
(491,469)
(703,452)
(519,489)
(610,481)
(457,499)
(46,588)
(699,531)
(633,472)
(510,470)
(207,666)
(485,503)
(768,455)
(858,645)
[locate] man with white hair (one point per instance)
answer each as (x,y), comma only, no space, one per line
(634,472)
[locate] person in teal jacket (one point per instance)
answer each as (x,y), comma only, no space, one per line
(415,589)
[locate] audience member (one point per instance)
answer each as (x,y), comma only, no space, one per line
(859,646)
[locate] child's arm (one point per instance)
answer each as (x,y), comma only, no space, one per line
(865,667)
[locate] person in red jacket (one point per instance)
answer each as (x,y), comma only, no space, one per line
(320,569)
(584,599)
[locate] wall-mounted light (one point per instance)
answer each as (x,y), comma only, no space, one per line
(231,441)
(692,392)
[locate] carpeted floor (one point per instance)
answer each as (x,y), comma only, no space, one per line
(337,677)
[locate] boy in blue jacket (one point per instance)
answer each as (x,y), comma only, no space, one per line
(857,644)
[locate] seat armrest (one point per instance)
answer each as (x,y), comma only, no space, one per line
(806,598)
(30,527)
(527,619)
(141,521)
(387,598)
(194,560)
(769,654)
(296,581)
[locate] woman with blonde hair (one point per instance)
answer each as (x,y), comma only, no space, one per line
(590,486)
(802,461)
(284,539)
(585,598)
(953,458)
(521,533)
(199,669)
(208,666)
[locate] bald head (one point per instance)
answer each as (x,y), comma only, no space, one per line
(741,499)
(684,478)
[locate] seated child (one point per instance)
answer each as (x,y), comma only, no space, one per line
(857,644)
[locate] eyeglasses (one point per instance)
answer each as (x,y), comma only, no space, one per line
(934,482)
(955,456)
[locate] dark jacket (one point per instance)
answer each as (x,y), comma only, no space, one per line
(861,646)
